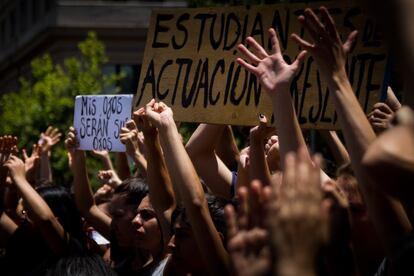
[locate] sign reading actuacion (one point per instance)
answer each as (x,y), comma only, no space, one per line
(190,63)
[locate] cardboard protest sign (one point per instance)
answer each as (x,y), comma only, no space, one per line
(190,63)
(98,121)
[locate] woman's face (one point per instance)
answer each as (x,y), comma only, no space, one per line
(122,214)
(147,232)
(185,255)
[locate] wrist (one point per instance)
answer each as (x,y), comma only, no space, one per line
(295,266)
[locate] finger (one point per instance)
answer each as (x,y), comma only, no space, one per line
(260,52)
(252,58)
(383,107)
(230,216)
(255,198)
(304,21)
(379,114)
(56,138)
(316,25)
(248,66)
(131,125)
(275,41)
(303,43)
(350,42)
(289,174)
(48,130)
(298,61)
(329,23)
(54,132)
(25,157)
(242,218)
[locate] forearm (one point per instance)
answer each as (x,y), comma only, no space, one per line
(106,160)
(181,170)
(287,126)
(141,164)
(357,131)
(204,139)
(259,169)
(122,166)
(160,186)
(337,148)
(200,148)
(45,168)
(83,192)
(37,206)
(227,149)
(388,215)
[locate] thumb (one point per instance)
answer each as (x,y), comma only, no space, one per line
(350,42)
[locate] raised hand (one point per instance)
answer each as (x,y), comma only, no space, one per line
(101,154)
(16,167)
(272,70)
(109,177)
(32,162)
(129,137)
(296,218)
(8,146)
(49,138)
(248,244)
(327,47)
(158,113)
(380,117)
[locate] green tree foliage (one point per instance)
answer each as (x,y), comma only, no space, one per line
(48,98)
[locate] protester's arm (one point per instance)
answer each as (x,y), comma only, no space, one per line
(297,219)
(122,165)
(259,169)
(159,183)
(209,166)
(336,146)
(388,215)
(47,140)
(104,157)
(186,181)
(7,225)
(129,137)
(38,210)
(227,149)
(276,76)
(83,192)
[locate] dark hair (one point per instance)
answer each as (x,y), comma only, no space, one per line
(134,189)
(86,265)
(345,169)
(216,209)
(63,206)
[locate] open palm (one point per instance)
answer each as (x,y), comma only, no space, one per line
(272,70)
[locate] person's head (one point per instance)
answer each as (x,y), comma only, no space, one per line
(185,252)
(148,235)
(87,265)
(123,208)
(63,206)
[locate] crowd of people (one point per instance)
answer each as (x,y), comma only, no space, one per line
(206,208)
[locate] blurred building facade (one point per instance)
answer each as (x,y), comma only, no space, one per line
(29,28)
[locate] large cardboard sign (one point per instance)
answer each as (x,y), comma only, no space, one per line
(190,63)
(98,121)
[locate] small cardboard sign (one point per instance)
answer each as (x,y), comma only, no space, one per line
(190,63)
(98,121)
